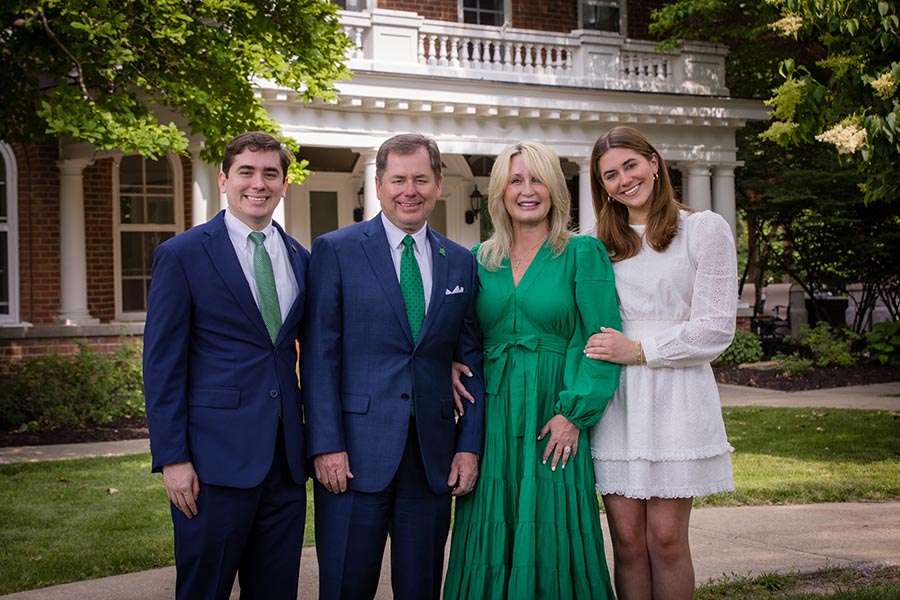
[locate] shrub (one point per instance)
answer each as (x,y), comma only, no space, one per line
(80,390)
(745,348)
(829,346)
(883,343)
(793,365)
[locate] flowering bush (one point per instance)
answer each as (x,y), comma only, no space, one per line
(846,138)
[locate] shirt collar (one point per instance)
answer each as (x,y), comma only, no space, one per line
(240,231)
(395,235)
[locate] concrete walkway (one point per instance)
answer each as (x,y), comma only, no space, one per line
(742,541)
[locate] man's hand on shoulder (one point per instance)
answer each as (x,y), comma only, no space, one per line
(463,473)
(182,487)
(333,471)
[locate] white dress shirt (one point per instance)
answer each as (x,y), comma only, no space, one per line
(285,282)
(421,248)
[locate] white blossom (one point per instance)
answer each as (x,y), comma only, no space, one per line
(789,25)
(885,86)
(846,138)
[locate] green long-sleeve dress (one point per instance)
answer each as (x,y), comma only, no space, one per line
(526,531)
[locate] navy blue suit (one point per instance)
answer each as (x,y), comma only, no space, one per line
(360,369)
(222,396)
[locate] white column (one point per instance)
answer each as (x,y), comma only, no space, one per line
(73,307)
(586,217)
(371,204)
(699,195)
(685,184)
(204,188)
(723,194)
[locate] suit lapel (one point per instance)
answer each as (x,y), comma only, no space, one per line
(375,246)
(439,284)
(297,266)
(224,260)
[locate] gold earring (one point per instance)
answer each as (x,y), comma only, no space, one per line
(655,176)
(609,199)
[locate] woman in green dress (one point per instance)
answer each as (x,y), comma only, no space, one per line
(531,528)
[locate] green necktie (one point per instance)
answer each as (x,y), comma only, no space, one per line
(411,286)
(265,285)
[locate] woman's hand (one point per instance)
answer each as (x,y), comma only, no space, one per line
(457,370)
(563,442)
(610,345)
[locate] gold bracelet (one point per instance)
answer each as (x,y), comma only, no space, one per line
(639,358)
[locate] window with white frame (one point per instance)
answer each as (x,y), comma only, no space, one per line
(353,5)
(148,212)
(483,12)
(9,254)
(601,15)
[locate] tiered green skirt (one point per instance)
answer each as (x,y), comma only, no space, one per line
(526,531)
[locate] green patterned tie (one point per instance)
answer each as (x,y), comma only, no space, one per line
(265,285)
(411,286)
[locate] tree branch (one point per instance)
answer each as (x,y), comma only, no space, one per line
(78,68)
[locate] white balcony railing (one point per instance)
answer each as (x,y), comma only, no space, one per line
(403,42)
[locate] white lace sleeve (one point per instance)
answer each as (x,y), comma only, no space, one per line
(710,328)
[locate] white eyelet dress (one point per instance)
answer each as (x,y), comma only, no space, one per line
(662,434)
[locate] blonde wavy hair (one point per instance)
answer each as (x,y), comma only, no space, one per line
(544,165)
(612,217)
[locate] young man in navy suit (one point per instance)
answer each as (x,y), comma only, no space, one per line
(387,449)
(223,404)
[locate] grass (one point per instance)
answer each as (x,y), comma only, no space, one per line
(61,521)
(70,520)
(801,456)
(837,584)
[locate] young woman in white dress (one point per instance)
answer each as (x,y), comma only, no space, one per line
(661,441)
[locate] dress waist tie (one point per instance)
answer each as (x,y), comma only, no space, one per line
(514,359)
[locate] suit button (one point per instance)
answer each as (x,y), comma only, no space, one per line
(404,396)
(273,393)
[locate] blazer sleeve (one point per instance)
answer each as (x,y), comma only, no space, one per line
(320,353)
(165,358)
(470,432)
(589,384)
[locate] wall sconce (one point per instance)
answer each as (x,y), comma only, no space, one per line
(475,199)
(360,203)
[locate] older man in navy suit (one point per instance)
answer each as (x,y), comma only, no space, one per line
(223,405)
(390,304)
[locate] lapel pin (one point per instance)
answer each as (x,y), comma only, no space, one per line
(441,251)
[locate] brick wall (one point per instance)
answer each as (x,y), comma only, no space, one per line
(187,192)
(38,189)
(98,222)
(639,17)
(545,16)
(440,10)
(22,349)
(541,15)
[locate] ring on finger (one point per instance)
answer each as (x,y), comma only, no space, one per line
(567,450)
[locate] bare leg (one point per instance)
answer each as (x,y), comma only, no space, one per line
(631,561)
(669,548)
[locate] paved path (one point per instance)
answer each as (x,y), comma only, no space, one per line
(742,541)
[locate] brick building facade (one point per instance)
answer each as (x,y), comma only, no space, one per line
(80,225)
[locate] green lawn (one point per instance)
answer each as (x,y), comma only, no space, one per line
(62,522)
(801,456)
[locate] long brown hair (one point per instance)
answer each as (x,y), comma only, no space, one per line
(612,217)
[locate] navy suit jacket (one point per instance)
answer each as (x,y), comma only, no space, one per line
(213,380)
(360,366)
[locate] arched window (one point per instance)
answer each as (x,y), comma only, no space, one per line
(149,211)
(9,242)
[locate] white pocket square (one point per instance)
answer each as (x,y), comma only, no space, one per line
(457,290)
